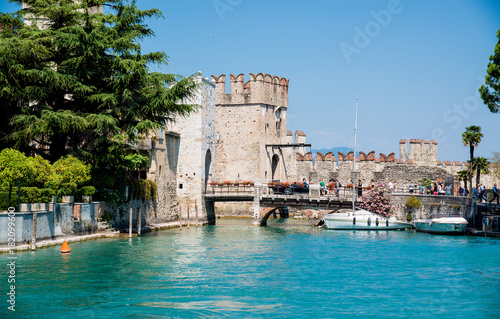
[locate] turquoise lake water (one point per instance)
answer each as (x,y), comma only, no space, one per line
(285,270)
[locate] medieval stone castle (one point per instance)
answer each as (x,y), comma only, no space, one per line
(243,136)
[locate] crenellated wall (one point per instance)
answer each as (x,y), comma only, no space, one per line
(418,159)
(259,89)
(251,120)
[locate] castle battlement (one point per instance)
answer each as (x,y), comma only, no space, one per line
(260,89)
(420,152)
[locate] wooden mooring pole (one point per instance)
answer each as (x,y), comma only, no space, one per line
(33,234)
(130,222)
(188,209)
(196,212)
(138,221)
(180,217)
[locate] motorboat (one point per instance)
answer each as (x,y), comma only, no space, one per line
(442,225)
(362,219)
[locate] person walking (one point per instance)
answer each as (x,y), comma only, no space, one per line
(448,189)
(482,191)
(360,189)
(495,193)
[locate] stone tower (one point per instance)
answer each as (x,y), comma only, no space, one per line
(403,150)
(196,147)
(251,121)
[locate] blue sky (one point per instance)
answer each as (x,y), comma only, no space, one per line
(414,66)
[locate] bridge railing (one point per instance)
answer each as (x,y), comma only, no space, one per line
(343,193)
(230,189)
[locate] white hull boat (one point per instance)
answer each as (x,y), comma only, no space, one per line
(442,225)
(363,220)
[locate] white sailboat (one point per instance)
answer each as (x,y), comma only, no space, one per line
(361,219)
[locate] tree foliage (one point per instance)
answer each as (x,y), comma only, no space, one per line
(480,165)
(495,164)
(471,137)
(413,203)
(44,172)
(426,182)
(69,169)
(490,91)
(14,167)
(463,175)
(79,82)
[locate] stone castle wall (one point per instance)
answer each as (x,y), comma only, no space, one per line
(417,161)
(249,119)
(163,170)
(412,166)
(195,149)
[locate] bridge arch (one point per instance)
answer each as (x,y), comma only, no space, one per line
(282,211)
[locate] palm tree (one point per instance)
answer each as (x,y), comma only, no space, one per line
(463,175)
(480,165)
(472,137)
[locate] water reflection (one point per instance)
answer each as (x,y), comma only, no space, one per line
(284,270)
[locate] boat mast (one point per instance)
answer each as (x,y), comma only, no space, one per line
(354,161)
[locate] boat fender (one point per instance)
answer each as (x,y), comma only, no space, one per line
(369,221)
(354,220)
(376,221)
(387,222)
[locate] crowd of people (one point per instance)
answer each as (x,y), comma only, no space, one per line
(435,188)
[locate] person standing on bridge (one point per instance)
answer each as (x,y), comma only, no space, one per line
(495,193)
(448,189)
(322,187)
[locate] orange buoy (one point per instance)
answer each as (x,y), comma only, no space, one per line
(65,248)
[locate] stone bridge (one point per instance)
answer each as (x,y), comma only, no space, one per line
(267,204)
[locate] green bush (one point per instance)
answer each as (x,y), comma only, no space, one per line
(67,189)
(30,195)
(46,195)
(4,203)
(413,202)
(87,190)
(69,169)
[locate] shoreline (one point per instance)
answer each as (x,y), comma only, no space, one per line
(100,234)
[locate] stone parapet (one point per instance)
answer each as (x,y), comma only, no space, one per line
(260,89)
